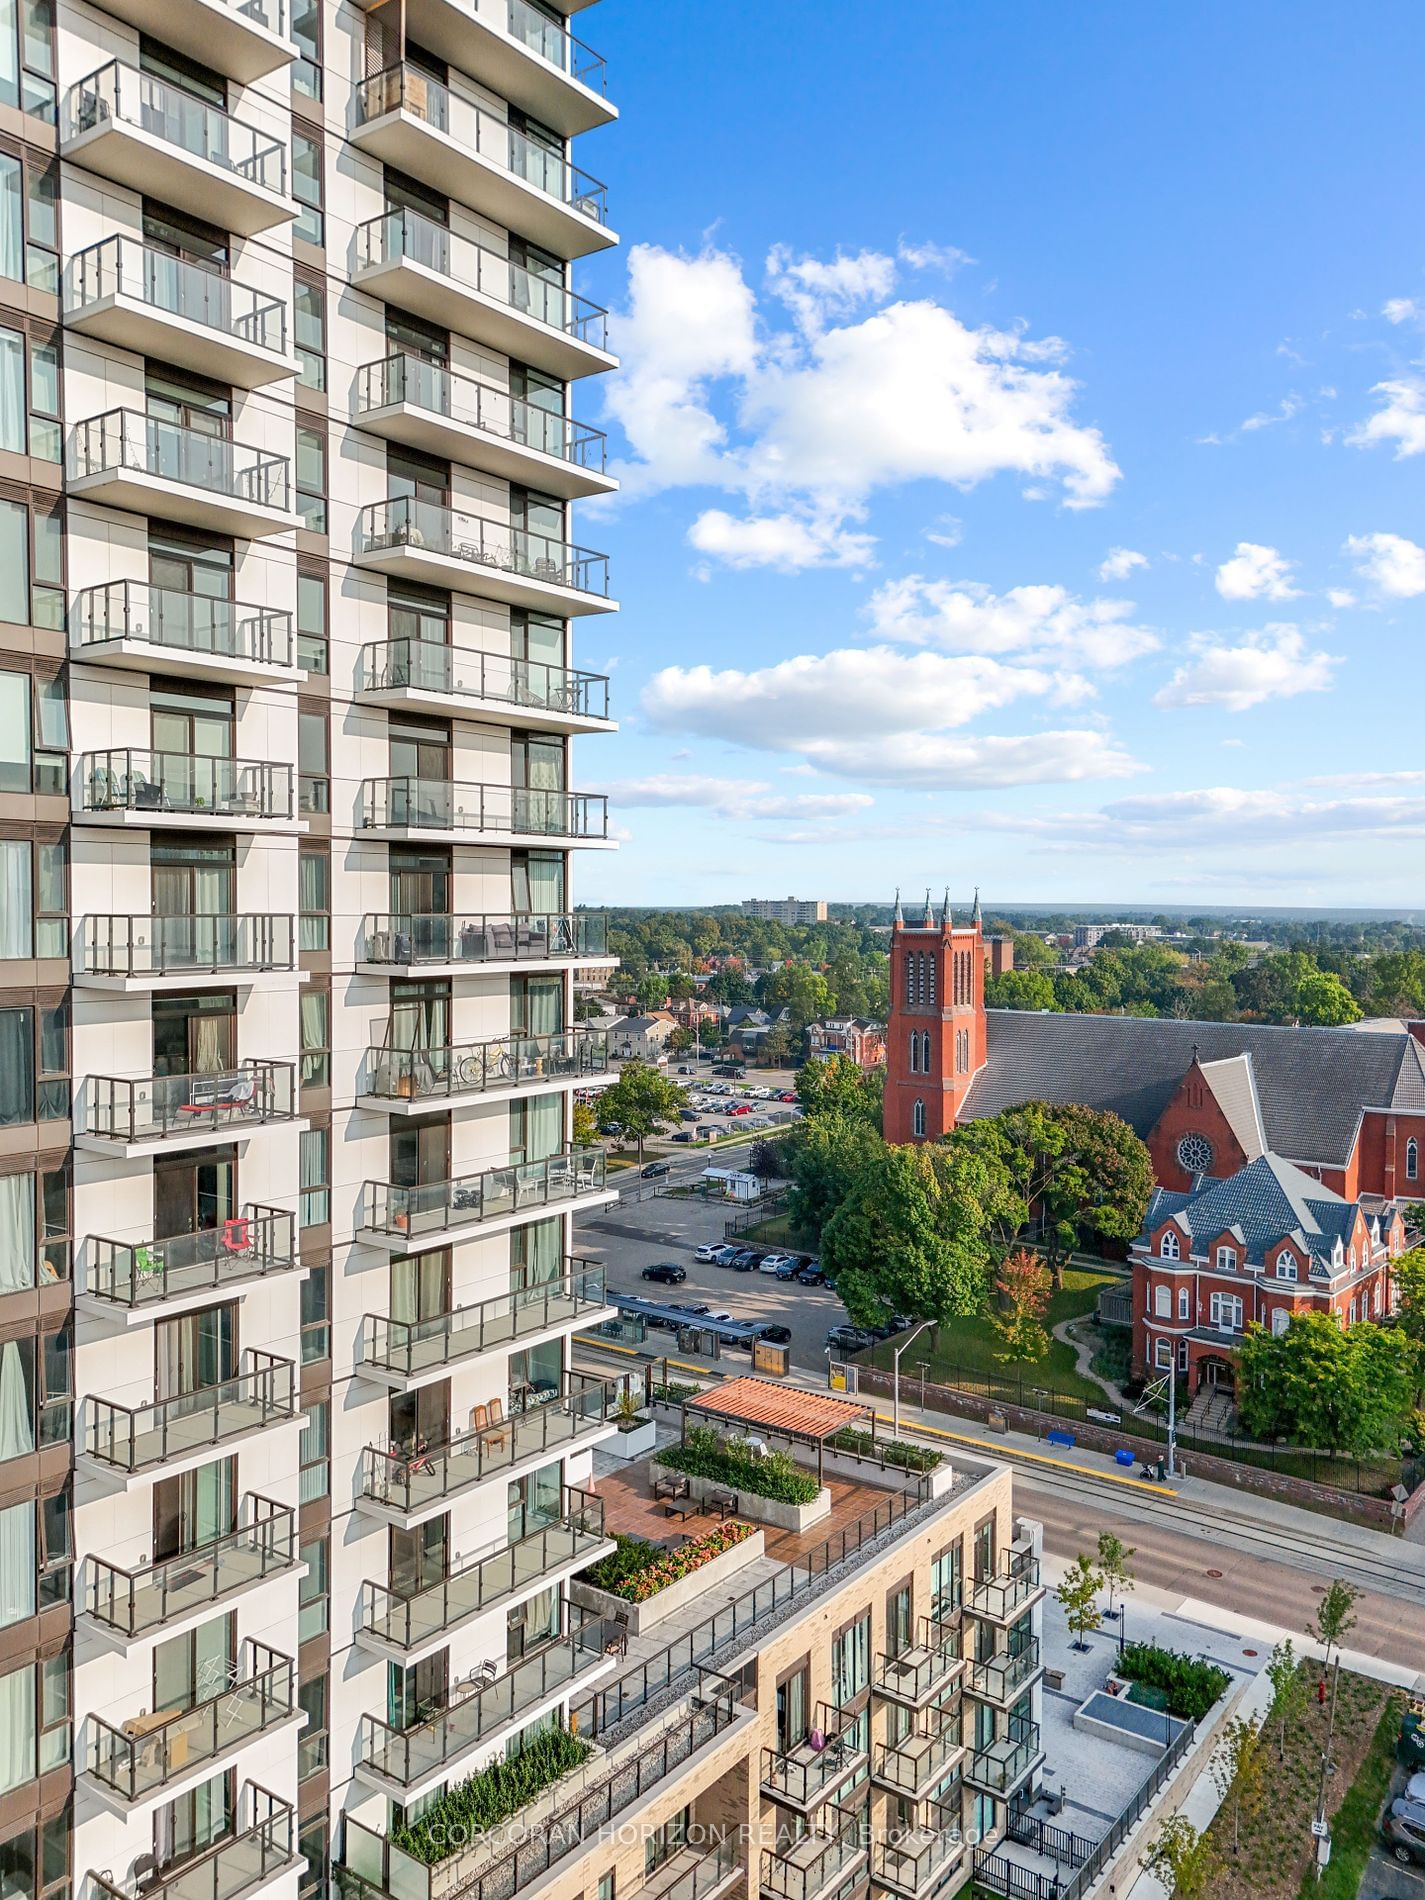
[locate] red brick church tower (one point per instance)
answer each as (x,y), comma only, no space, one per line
(935,1041)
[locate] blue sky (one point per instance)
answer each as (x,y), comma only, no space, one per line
(1023,424)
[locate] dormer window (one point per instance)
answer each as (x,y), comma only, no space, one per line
(1226,1259)
(1286,1266)
(1168,1246)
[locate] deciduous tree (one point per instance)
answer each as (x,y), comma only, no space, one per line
(837,1086)
(1289,1691)
(1115,1565)
(1185,1861)
(1237,1767)
(643,1100)
(1022,1288)
(1342,1389)
(902,1238)
(1077,1595)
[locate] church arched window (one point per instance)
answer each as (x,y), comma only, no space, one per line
(917,1120)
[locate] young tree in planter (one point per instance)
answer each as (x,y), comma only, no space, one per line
(1335,1619)
(1183,1860)
(1023,1285)
(1114,1561)
(643,1100)
(1237,1768)
(1289,1691)
(1078,1599)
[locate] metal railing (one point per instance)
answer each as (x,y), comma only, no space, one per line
(918,1759)
(997,1874)
(444,392)
(1003,1596)
(162,946)
(187,623)
(408,89)
(406,1347)
(405,1212)
(373,1866)
(558,45)
(479,541)
(807,1773)
(149,1751)
(472,1067)
(262,1844)
(414,1476)
(160,1107)
(438,805)
(811,1864)
(186,123)
(134,1437)
(1004,1676)
(690,1875)
(405,236)
(255,1242)
(908,1859)
(427,666)
(1005,1762)
(133,779)
(127,440)
(928,1664)
(408,1756)
(195,293)
(529,937)
(136,1601)
(546,1543)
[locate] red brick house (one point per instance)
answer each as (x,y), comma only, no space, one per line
(1257,1248)
(864,1042)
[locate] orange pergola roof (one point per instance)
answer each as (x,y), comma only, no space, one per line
(813,1416)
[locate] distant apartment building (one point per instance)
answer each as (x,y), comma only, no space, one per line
(1089,936)
(786,910)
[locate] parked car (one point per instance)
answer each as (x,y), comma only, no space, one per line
(654,1170)
(739,1108)
(759,1121)
(666,1272)
(707,1130)
(811,1276)
(789,1267)
(687,1114)
(725,1256)
(708,1251)
(774,1334)
(685,1068)
(745,1260)
(1415,1787)
(610,1128)
(1405,1840)
(682,1135)
(1404,1809)
(787,1095)
(849,1338)
(771,1263)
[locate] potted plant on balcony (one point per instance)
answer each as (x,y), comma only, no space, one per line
(637,1433)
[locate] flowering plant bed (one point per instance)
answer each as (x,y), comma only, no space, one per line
(638,1570)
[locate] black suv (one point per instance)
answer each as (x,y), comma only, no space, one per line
(666,1272)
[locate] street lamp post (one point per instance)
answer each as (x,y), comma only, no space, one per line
(909,1339)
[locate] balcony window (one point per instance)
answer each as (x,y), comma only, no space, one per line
(312,1616)
(312,479)
(312,622)
(29,396)
(307,32)
(309,323)
(307,187)
(316,1323)
(851,1660)
(315,1166)
(29,218)
(312,1700)
(17,1066)
(34,1721)
(314,876)
(314,1480)
(313,788)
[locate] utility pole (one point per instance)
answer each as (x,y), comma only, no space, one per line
(912,1335)
(1156,1391)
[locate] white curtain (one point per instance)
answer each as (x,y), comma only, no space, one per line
(12,219)
(17,1727)
(16,910)
(12,391)
(17,1563)
(17,1412)
(17,1232)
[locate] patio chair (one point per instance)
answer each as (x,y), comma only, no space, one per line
(496,1434)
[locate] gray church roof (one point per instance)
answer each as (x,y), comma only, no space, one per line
(1310,1084)
(1267,1201)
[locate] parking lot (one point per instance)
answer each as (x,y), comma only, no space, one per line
(712,1102)
(630,1237)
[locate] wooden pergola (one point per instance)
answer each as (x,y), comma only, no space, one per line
(809,1418)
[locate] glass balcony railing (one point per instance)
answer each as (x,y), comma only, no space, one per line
(423,666)
(258,1241)
(175,287)
(407,1213)
(177,1107)
(808,1773)
(811,1865)
(433,804)
(408,1347)
(690,1874)
(126,441)
(1003,1677)
(417,938)
(409,1756)
(163,946)
(445,393)
(261,1846)
(999,1599)
(1005,1763)
(539,1546)
(183,623)
(480,542)
(409,89)
(926,1665)
(409,237)
(411,1477)
(185,782)
(132,1438)
(919,1760)
(555,43)
(908,1859)
(124,95)
(149,1751)
(135,1602)
(470,1068)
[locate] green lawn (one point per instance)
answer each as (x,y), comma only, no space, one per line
(1355,1825)
(970,1345)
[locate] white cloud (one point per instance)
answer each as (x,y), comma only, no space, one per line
(1401,310)
(928,256)
(1340,597)
(1272,664)
(1035,621)
(732,798)
(947,531)
(1288,407)
(784,541)
(808,422)
(1390,563)
(1119,563)
(978,759)
(1399,418)
(1255,573)
(1218,817)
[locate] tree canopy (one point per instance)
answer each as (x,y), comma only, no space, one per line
(1341,1389)
(642,1101)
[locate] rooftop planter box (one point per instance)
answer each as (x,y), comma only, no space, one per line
(634,1439)
(475,1806)
(773,1489)
(700,1565)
